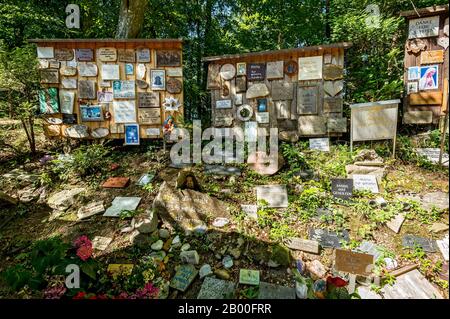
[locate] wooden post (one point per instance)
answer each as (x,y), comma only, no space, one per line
(352,283)
(445,110)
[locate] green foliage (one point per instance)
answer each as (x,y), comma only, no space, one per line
(84,161)
(294,157)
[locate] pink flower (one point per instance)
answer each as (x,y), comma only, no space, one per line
(55,292)
(84,252)
(82,241)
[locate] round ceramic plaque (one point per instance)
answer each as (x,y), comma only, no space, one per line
(173,86)
(227,71)
(141,84)
(291,68)
(244,112)
(77,131)
(100,132)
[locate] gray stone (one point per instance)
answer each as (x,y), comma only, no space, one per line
(435,199)
(213,288)
(328,238)
(176,242)
(61,201)
(184,276)
(257,90)
(164,233)
(205,270)
(271,291)
(90,209)
(370,248)
(316,269)
(190,257)
(158,245)
(185,247)
(147,224)
(29,194)
(227,262)
(410,241)
(141,240)
(158,255)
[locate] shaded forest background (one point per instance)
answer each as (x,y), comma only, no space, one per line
(216,27)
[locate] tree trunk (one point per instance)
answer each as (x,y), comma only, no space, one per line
(131,18)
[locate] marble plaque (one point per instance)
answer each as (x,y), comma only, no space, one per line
(148,99)
(332,105)
(282,90)
(241,83)
(283,109)
(69,83)
(319,144)
(87,69)
(311,125)
(310,68)
(333,88)
(275,70)
(365,182)
(174,72)
(262,117)
(423,27)
(45,52)
(86,90)
(110,72)
(120,204)
(274,195)
(49,76)
(84,55)
(64,54)
(307,99)
(107,54)
(223,104)
(143,55)
(149,116)
(126,55)
(124,111)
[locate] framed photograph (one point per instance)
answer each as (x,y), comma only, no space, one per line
(241,68)
(429,77)
(413,73)
(129,69)
(262,105)
(412,87)
(105,97)
(91,113)
(132,134)
(158,78)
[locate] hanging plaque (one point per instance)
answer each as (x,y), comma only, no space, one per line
(43,64)
(256,71)
(150,116)
(333,88)
(282,90)
(141,84)
(69,83)
(443,42)
(86,90)
(124,89)
(143,55)
(309,125)
(87,69)
(241,83)
(110,72)
(84,55)
(129,69)
(307,99)
(148,99)
(107,54)
(68,71)
(168,58)
(223,104)
(67,101)
(227,71)
(310,68)
(105,97)
(291,68)
(275,70)
(283,109)
(45,52)
(429,57)
(423,27)
(53,64)
(213,76)
(126,55)
(64,54)
(104,84)
(124,111)
(332,105)
(49,76)
(333,72)
(173,86)
(262,117)
(175,72)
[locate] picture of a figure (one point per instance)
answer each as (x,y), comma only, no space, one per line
(262,105)
(158,78)
(413,73)
(428,77)
(132,134)
(168,125)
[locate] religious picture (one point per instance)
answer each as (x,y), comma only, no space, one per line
(262,105)
(129,69)
(168,127)
(158,79)
(241,68)
(413,73)
(131,134)
(428,77)
(91,113)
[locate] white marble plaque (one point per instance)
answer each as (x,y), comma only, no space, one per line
(262,117)
(310,68)
(87,69)
(110,72)
(69,83)
(275,70)
(432,154)
(423,27)
(66,100)
(365,182)
(124,111)
(319,144)
(174,72)
(45,52)
(223,104)
(274,195)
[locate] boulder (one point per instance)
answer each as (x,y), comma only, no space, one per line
(61,201)
(181,207)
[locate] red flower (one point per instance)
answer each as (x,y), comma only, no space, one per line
(114,166)
(80,295)
(336,281)
(84,252)
(82,241)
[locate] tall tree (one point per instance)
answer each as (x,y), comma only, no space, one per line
(131,18)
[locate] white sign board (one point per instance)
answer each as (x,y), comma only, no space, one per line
(365,182)
(262,117)
(45,52)
(223,104)
(432,154)
(319,144)
(124,111)
(374,121)
(310,68)
(153,132)
(423,27)
(110,72)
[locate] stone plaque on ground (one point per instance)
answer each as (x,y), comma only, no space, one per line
(183,278)
(274,195)
(282,90)
(396,223)
(309,246)
(249,277)
(410,241)
(250,210)
(101,243)
(309,125)
(365,182)
(90,209)
(213,288)
(370,248)
(443,247)
(342,187)
(120,204)
(353,262)
(328,238)
(271,291)
(432,154)
(411,285)
(319,144)
(435,199)
(116,182)
(222,170)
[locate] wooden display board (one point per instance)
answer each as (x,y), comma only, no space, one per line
(285,89)
(133,77)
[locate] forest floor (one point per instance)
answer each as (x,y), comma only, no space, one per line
(251,243)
